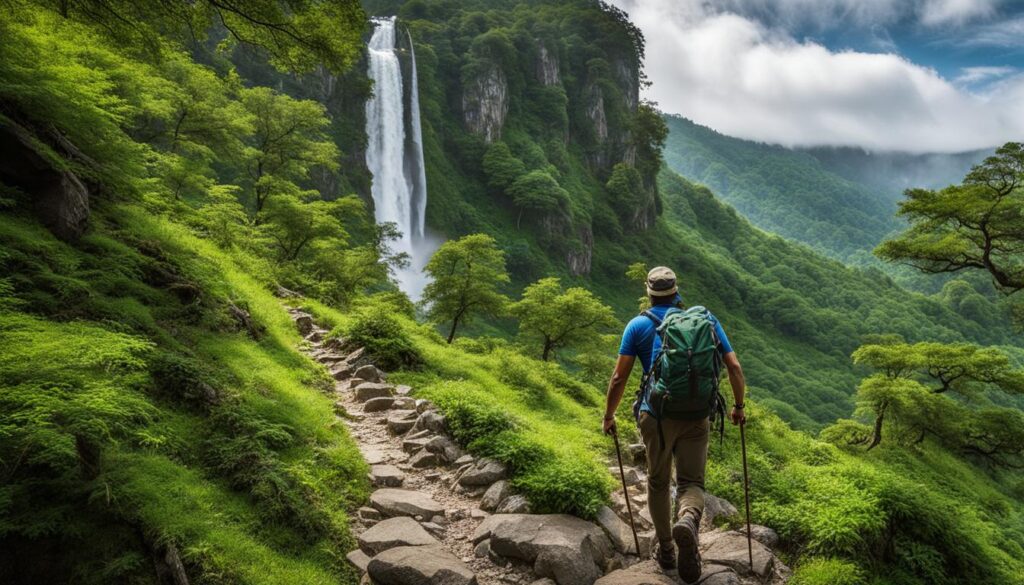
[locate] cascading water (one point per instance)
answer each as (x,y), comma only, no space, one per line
(396,160)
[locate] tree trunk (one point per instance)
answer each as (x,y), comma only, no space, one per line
(455,324)
(547,349)
(877,438)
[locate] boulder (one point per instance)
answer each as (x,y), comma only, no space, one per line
(401,531)
(355,356)
(403,390)
(514,504)
(714,508)
(419,565)
(495,494)
(718,575)
(645,573)
(444,448)
(401,502)
(568,549)
(369,390)
(638,453)
(341,371)
(386,476)
(482,549)
(430,420)
(730,549)
(366,513)
(485,472)
(763,534)
(359,559)
(414,445)
(618,531)
(379,404)
(423,405)
(423,459)
(403,402)
(400,421)
(464,460)
(369,372)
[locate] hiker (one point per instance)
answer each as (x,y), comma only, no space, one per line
(687,404)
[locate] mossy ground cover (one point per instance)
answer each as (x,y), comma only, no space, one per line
(135,414)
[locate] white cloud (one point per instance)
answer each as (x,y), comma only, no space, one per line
(940,12)
(1005,33)
(973,75)
(741,78)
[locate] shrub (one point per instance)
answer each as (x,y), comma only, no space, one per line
(565,485)
(470,419)
(383,337)
(820,571)
(183,378)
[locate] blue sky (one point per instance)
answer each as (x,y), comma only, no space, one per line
(913,75)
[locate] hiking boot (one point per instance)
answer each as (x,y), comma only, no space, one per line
(666,556)
(685,534)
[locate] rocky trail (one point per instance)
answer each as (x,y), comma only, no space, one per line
(440,516)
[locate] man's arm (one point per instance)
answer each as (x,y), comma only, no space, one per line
(616,387)
(739,386)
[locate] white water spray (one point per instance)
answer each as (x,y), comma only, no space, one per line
(399,180)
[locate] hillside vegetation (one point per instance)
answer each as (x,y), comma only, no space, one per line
(157,414)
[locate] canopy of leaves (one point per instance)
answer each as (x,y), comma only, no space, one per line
(560,318)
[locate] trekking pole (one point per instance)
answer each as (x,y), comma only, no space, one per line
(625,492)
(746,492)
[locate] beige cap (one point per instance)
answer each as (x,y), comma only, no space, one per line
(661,282)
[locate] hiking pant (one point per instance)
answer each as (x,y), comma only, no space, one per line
(686,442)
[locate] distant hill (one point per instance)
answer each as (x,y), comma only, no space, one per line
(840,201)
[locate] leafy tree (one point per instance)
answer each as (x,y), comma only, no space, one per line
(293,226)
(465,276)
(537,191)
(978,224)
(961,367)
(626,188)
(288,142)
(299,35)
(501,167)
(560,318)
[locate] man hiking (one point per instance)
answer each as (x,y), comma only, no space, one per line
(674,408)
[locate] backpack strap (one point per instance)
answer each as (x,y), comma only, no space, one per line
(650,315)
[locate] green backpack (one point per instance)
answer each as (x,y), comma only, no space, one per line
(683,382)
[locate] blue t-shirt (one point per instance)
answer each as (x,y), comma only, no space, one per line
(641,339)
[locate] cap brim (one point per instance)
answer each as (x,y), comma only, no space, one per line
(662,293)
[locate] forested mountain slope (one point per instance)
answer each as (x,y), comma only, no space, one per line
(534,135)
(787,192)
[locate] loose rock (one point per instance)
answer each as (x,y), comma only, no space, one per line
(423,459)
(730,549)
(618,531)
(645,573)
(386,476)
(495,494)
(763,534)
(565,548)
(386,534)
(714,508)
(378,404)
(486,472)
(369,372)
(419,565)
(400,421)
(368,390)
(429,420)
(515,504)
(401,502)
(359,559)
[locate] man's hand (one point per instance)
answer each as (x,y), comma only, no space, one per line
(610,427)
(738,416)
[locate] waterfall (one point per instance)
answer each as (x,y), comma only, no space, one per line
(394,157)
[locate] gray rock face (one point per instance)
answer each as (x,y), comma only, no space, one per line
(714,508)
(401,531)
(638,453)
(580,259)
(398,502)
(718,575)
(444,448)
(494,495)
(730,549)
(400,421)
(423,459)
(514,504)
(368,390)
(547,66)
(403,402)
(304,322)
(379,404)
(386,476)
(631,474)
(485,102)
(341,371)
(565,548)
(617,530)
(645,573)
(419,565)
(485,472)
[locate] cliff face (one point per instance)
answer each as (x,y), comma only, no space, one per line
(556,86)
(485,102)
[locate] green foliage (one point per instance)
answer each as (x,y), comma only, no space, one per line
(972,226)
(501,167)
(537,191)
(382,336)
(824,571)
(560,318)
(465,276)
